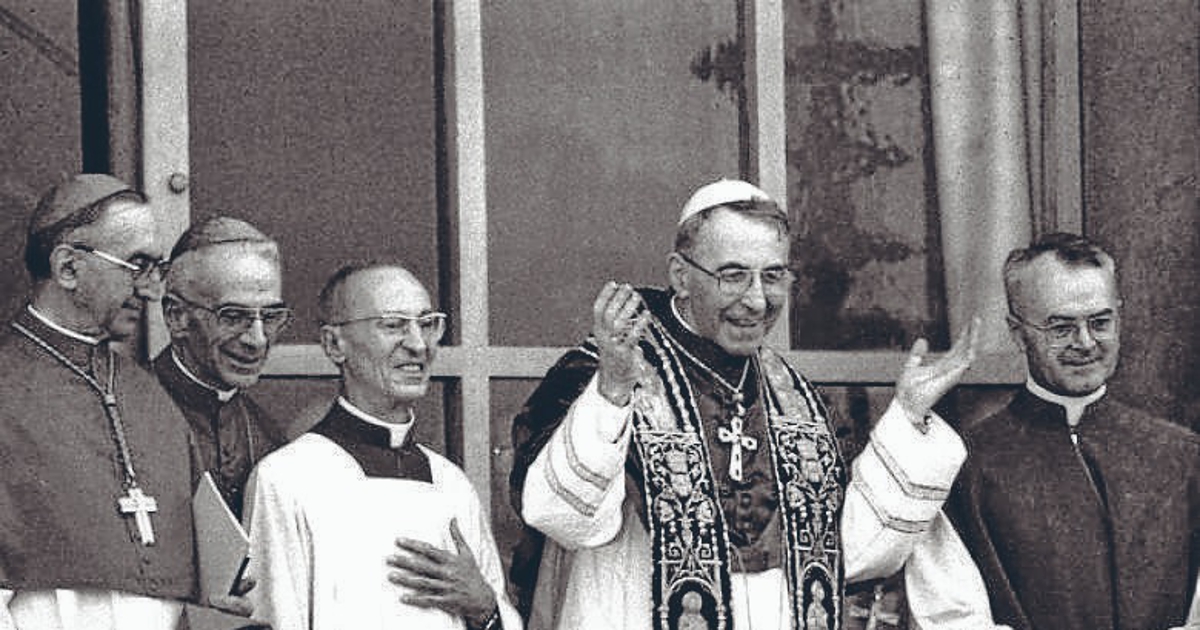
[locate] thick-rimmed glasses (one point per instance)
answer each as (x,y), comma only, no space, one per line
(234,319)
(141,267)
(1101,327)
(431,326)
(733,282)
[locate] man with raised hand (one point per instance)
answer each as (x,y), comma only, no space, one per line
(683,474)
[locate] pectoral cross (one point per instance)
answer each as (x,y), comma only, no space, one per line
(140,505)
(733,436)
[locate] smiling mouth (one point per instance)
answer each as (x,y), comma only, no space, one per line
(245,362)
(410,368)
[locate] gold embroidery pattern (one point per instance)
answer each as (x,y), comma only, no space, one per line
(691,548)
(690,542)
(811,481)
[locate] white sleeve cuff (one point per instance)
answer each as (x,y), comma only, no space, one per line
(598,430)
(897,487)
(909,473)
(576,486)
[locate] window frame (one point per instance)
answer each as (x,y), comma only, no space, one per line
(469,360)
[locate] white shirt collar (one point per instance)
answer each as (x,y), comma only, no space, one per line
(91,341)
(1075,405)
(223,395)
(398,432)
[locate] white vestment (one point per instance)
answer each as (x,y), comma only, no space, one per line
(598,570)
(90,609)
(321,531)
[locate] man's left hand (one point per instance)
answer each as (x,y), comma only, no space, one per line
(922,384)
(450,582)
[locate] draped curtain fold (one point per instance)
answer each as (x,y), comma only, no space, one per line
(984,56)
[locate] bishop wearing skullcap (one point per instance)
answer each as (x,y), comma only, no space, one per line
(95,486)
(224,308)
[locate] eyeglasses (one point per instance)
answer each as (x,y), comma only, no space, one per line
(735,281)
(141,267)
(1101,327)
(234,319)
(431,326)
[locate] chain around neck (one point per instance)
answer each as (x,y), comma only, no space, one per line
(737,391)
(107,398)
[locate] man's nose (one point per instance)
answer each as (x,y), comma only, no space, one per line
(414,339)
(255,335)
(1084,336)
(755,297)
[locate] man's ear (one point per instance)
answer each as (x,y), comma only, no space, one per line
(677,273)
(63,266)
(1014,331)
(331,343)
(176,316)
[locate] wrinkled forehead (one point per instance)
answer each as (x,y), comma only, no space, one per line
(225,271)
(1051,287)
(733,238)
(384,290)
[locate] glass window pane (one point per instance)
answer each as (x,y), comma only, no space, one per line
(39,122)
(861,188)
(601,119)
(317,123)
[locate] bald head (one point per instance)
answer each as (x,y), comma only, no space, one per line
(218,231)
(348,293)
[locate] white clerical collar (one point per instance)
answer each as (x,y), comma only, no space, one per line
(398,432)
(678,316)
(91,341)
(1075,405)
(223,395)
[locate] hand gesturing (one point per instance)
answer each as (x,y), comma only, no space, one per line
(617,327)
(923,384)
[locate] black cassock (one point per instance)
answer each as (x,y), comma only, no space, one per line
(1087,532)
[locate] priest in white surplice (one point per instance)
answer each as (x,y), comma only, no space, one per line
(353,525)
(683,475)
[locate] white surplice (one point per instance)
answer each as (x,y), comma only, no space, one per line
(85,609)
(321,531)
(599,567)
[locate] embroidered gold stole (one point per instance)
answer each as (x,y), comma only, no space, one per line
(691,549)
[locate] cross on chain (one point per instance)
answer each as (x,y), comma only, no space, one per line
(135,501)
(733,436)
(140,505)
